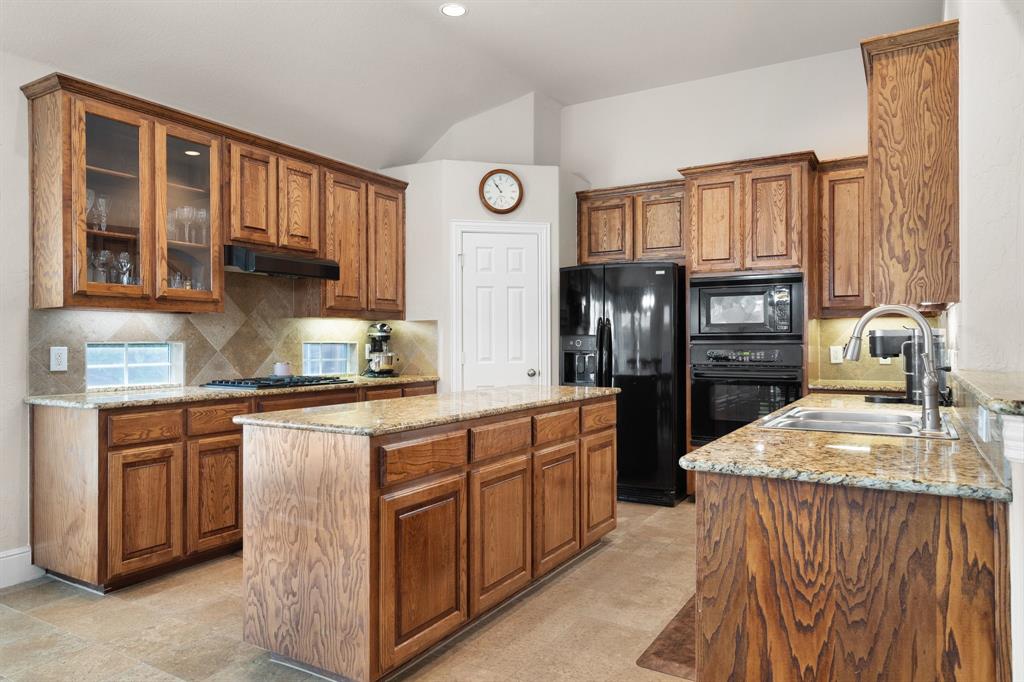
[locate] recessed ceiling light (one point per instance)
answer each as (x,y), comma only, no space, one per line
(453,9)
(191,152)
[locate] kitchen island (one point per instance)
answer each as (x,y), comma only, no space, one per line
(375,530)
(825,555)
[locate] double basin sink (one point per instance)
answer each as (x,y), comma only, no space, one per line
(875,423)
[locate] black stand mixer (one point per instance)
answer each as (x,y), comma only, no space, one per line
(908,343)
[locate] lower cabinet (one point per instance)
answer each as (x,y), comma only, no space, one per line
(214,495)
(597,486)
(423,567)
(500,532)
(383,393)
(556,520)
(144,507)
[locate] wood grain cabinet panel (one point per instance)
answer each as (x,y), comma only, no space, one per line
(214,495)
(345,236)
(501,438)
(387,393)
(597,416)
(555,426)
(845,234)
(386,250)
(298,204)
(913,171)
(423,567)
(216,418)
(605,229)
(556,508)
(500,533)
(144,427)
(294,402)
(409,391)
(420,457)
(660,225)
(254,195)
(716,223)
(773,217)
(144,508)
(597,486)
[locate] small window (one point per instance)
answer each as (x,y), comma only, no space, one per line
(319,359)
(110,365)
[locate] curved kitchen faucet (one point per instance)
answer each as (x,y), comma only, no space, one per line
(930,419)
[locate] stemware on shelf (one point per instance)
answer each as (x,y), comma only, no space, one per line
(102,211)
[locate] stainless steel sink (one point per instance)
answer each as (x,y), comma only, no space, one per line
(853,421)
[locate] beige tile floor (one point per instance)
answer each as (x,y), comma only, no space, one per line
(590,622)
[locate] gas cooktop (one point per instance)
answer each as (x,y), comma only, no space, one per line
(275,382)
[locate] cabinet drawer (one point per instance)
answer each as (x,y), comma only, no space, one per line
(215,418)
(555,426)
(297,402)
(598,416)
(412,459)
(500,439)
(429,389)
(383,393)
(144,427)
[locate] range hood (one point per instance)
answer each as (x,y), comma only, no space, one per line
(245,259)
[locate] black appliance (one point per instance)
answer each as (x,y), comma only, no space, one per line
(747,306)
(623,325)
(275,382)
(736,383)
(891,343)
(244,259)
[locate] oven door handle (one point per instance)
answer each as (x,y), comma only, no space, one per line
(746,375)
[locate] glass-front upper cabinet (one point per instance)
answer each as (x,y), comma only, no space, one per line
(111,200)
(188,214)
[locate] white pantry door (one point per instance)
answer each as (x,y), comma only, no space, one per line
(501,309)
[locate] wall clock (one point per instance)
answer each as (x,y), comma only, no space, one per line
(501,191)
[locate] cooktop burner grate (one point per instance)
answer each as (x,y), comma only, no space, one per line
(276,382)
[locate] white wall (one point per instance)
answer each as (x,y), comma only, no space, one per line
(504,134)
(444,191)
(818,103)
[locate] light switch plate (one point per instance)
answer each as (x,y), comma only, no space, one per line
(835,354)
(885,361)
(58,358)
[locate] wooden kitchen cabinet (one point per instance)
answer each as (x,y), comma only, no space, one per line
(214,493)
(298,202)
(659,225)
(605,229)
(423,567)
(845,236)
(556,527)
(500,532)
(597,486)
(386,243)
(144,507)
(774,217)
(632,222)
(716,223)
(254,195)
(913,155)
(345,240)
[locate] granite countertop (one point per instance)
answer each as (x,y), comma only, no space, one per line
(108,400)
(857,385)
(381,417)
(1000,392)
(953,468)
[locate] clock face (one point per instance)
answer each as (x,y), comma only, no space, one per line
(501,191)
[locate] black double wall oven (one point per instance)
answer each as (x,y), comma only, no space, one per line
(746,350)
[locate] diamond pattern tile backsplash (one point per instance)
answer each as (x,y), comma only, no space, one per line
(256,329)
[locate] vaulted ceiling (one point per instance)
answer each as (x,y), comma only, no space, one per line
(376,83)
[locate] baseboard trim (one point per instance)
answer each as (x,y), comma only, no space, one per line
(16,566)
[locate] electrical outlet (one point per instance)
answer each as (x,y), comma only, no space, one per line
(58,358)
(835,355)
(367,352)
(885,361)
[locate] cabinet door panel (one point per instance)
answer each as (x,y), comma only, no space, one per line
(556,529)
(773,217)
(300,401)
(716,223)
(214,496)
(845,239)
(387,250)
(597,489)
(345,241)
(253,195)
(409,391)
(660,226)
(500,532)
(144,508)
(298,205)
(423,566)
(606,230)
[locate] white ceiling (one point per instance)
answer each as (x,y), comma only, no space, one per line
(376,83)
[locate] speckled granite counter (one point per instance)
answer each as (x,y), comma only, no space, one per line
(857,385)
(108,400)
(381,417)
(954,468)
(1000,392)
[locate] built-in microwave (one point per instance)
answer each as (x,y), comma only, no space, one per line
(747,306)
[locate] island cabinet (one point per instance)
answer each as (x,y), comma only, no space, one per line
(417,532)
(632,223)
(755,214)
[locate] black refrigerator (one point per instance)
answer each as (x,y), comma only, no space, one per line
(623,325)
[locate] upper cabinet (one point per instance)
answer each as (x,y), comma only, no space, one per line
(132,203)
(752,215)
(634,222)
(845,235)
(913,153)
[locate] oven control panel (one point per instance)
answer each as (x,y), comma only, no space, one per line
(742,355)
(770,354)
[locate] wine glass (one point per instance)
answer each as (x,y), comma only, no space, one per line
(187,215)
(124,266)
(202,226)
(90,201)
(103,211)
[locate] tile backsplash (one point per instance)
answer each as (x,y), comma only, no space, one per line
(257,328)
(836,332)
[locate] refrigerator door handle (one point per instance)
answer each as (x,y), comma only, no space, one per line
(606,368)
(599,375)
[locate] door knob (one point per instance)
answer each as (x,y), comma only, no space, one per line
(531,373)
